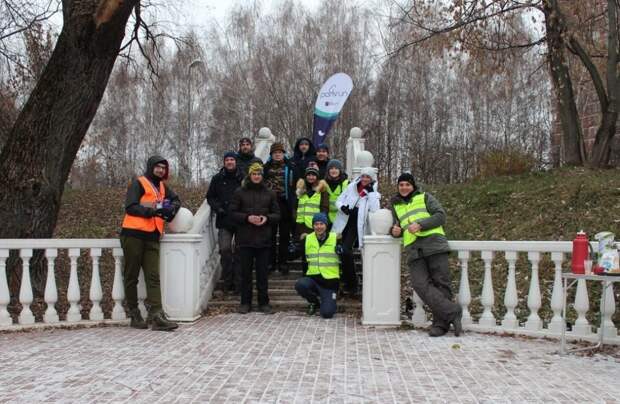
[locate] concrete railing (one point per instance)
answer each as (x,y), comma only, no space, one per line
(189,269)
(493,253)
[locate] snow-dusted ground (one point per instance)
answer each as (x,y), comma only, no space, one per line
(289,357)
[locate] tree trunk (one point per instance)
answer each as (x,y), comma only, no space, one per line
(572,136)
(44,141)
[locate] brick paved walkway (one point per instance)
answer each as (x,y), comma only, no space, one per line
(288,357)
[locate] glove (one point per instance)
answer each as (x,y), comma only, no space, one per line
(369,188)
(339,249)
(345,209)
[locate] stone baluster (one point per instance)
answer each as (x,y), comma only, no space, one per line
(73,292)
(5,297)
(464,292)
(511,298)
(25,290)
(488,299)
(582,304)
(142,294)
(419,315)
(557,296)
(607,325)
(118,291)
(51,291)
(534,301)
(96,293)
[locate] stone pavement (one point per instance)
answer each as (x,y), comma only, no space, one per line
(288,357)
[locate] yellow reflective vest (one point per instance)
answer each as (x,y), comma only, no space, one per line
(413,211)
(333,196)
(307,207)
(322,259)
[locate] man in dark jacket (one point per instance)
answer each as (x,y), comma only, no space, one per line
(149,202)
(279,173)
(221,189)
(254,208)
(245,155)
(322,159)
(419,219)
(302,152)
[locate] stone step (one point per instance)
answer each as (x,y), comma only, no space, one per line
(281,304)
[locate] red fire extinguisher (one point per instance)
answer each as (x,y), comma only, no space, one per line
(581,249)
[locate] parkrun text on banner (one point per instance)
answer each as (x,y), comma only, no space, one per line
(329,103)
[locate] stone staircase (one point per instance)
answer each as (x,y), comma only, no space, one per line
(282,294)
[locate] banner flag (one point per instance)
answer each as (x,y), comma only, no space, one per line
(329,103)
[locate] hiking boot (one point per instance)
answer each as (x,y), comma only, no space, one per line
(436,332)
(312,309)
(456,322)
(160,322)
(243,309)
(136,320)
(283,268)
(265,309)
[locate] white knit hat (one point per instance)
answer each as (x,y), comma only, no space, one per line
(369,171)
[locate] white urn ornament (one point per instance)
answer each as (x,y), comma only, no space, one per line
(380,222)
(182,222)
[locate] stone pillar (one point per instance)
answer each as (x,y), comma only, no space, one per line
(355,144)
(263,143)
(381,290)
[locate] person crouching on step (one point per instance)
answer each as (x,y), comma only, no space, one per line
(319,286)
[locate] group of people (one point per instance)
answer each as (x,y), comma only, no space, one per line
(268,213)
(303,205)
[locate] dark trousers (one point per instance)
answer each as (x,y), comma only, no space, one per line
(310,290)
(143,254)
(430,277)
(349,241)
(279,247)
(259,258)
(231,273)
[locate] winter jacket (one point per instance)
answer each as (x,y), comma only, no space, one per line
(254,199)
(301,160)
(134,194)
(219,194)
(283,186)
(351,198)
(320,187)
(430,245)
(244,161)
(322,168)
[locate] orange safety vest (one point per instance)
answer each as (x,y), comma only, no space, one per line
(151,198)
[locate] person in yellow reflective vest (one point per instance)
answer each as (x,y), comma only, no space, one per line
(312,197)
(319,286)
(419,219)
(337,183)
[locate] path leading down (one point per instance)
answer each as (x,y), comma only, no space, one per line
(288,357)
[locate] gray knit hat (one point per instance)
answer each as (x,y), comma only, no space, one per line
(333,163)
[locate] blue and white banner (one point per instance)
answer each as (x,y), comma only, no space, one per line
(329,103)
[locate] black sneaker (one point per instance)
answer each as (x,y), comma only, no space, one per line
(243,309)
(160,322)
(265,309)
(136,320)
(437,332)
(456,322)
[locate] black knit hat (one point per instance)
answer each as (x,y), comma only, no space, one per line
(245,140)
(407,177)
(312,170)
(230,154)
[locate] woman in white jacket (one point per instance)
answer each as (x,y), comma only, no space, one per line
(354,204)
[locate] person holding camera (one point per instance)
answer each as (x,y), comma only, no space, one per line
(148,204)
(354,204)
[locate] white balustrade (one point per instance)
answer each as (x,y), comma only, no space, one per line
(25,290)
(488,298)
(51,291)
(511,298)
(534,301)
(607,326)
(464,297)
(142,294)
(5,296)
(582,304)
(419,314)
(96,294)
(73,291)
(557,296)
(118,291)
